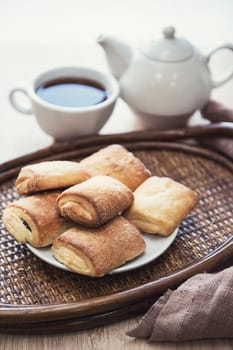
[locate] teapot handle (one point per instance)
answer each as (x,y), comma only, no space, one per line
(226,77)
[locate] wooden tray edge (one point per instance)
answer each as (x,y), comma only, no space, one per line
(212,130)
(79,313)
(13,314)
(144,143)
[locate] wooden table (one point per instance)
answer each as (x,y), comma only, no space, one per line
(37,35)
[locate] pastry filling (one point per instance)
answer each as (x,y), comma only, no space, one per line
(17,225)
(26,225)
(75,262)
(79,210)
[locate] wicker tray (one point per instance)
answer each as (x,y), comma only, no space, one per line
(36,297)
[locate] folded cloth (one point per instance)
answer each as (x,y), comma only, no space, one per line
(216,112)
(201,308)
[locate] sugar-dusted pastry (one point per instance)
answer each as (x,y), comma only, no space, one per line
(118,162)
(95,201)
(49,175)
(95,252)
(35,219)
(160,204)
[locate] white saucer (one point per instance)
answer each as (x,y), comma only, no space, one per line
(155,246)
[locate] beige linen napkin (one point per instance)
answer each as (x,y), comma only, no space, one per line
(201,308)
(216,112)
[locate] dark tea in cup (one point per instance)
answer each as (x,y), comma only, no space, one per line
(72,92)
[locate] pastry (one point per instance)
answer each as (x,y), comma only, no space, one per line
(35,219)
(49,175)
(95,201)
(116,161)
(95,252)
(160,204)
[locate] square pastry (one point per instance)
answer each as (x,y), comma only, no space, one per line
(160,204)
(97,251)
(116,161)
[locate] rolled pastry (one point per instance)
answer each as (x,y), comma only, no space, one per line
(160,204)
(95,201)
(49,175)
(35,219)
(95,252)
(116,161)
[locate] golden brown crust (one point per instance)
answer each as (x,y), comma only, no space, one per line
(49,175)
(116,161)
(95,201)
(160,204)
(95,252)
(35,219)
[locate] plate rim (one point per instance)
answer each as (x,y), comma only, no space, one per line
(57,264)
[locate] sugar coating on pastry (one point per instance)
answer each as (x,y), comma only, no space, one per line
(95,201)
(118,162)
(49,175)
(35,219)
(96,252)
(160,204)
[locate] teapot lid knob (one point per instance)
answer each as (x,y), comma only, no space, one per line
(169,32)
(169,48)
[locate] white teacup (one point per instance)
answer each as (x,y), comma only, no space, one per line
(61,122)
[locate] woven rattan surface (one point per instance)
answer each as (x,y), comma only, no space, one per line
(25,280)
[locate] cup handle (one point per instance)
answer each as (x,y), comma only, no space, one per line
(227,76)
(16,104)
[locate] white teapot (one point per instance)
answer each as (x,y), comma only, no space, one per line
(166,80)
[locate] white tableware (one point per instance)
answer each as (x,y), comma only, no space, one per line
(64,123)
(165,80)
(155,246)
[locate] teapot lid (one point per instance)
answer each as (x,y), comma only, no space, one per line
(169,48)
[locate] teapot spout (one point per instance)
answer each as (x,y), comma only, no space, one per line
(118,54)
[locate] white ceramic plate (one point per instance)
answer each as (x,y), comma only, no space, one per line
(155,246)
